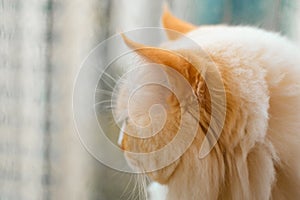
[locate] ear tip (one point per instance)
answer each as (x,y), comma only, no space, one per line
(119,31)
(166,8)
(123,36)
(126,40)
(166,11)
(130,43)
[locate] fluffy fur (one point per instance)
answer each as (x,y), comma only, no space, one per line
(257,155)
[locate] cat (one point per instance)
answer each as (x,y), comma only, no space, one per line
(257,155)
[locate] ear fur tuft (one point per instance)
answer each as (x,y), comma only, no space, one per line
(171,22)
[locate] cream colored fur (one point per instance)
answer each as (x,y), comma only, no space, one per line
(258,154)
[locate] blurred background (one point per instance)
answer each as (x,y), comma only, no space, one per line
(42,44)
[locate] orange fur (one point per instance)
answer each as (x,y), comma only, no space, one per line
(173,23)
(250,160)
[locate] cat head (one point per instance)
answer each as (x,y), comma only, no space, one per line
(153,115)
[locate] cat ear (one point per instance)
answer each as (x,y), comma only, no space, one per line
(173,23)
(163,56)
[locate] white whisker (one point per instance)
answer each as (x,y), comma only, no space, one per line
(107,83)
(102,91)
(105,105)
